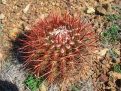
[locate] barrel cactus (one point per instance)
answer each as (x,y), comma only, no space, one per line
(58,48)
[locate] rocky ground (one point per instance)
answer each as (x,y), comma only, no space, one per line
(19,15)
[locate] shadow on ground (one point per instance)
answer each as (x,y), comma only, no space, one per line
(7,86)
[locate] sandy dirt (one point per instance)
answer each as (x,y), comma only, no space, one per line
(19,15)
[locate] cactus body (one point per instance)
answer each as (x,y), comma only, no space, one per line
(57,48)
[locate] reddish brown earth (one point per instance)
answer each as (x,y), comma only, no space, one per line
(18,15)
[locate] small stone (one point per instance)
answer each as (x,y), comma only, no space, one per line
(41,3)
(4,2)
(107,65)
(100,10)
(2,16)
(1,55)
(13,33)
(90,10)
(27,28)
(23,18)
(57,4)
(53,3)
(42,16)
(1,27)
(43,88)
(99,30)
(105,1)
(117,51)
(116,75)
(103,52)
(26,8)
(103,78)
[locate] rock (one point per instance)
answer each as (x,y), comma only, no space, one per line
(23,18)
(2,16)
(100,10)
(116,75)
(53,87)
(90,10)
(3,1)
(13,33)
(1,55)
(107,7)
(117,51)
(26,8)
(103,52)
(99,30)
(43,87)
(42,16)
(53,3)
(1,27)
(105,1)
(41,3)
(104,9)
(14,74)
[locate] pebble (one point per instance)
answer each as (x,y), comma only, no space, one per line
(103,52)
(23,18)
(2,16)
(43,88)
(42,16)
(57,4)
(26,8)
(41,3)
(4,1)
(1,27)
(13,33)
(1,55)
(116,75)
(103,78)
(101,10)
(90,10)
(117,51)
(106,1)
(53,3)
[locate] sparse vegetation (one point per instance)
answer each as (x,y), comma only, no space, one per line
(33,83)
(74,88)
(117,68)
(111,35)
(113,17)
